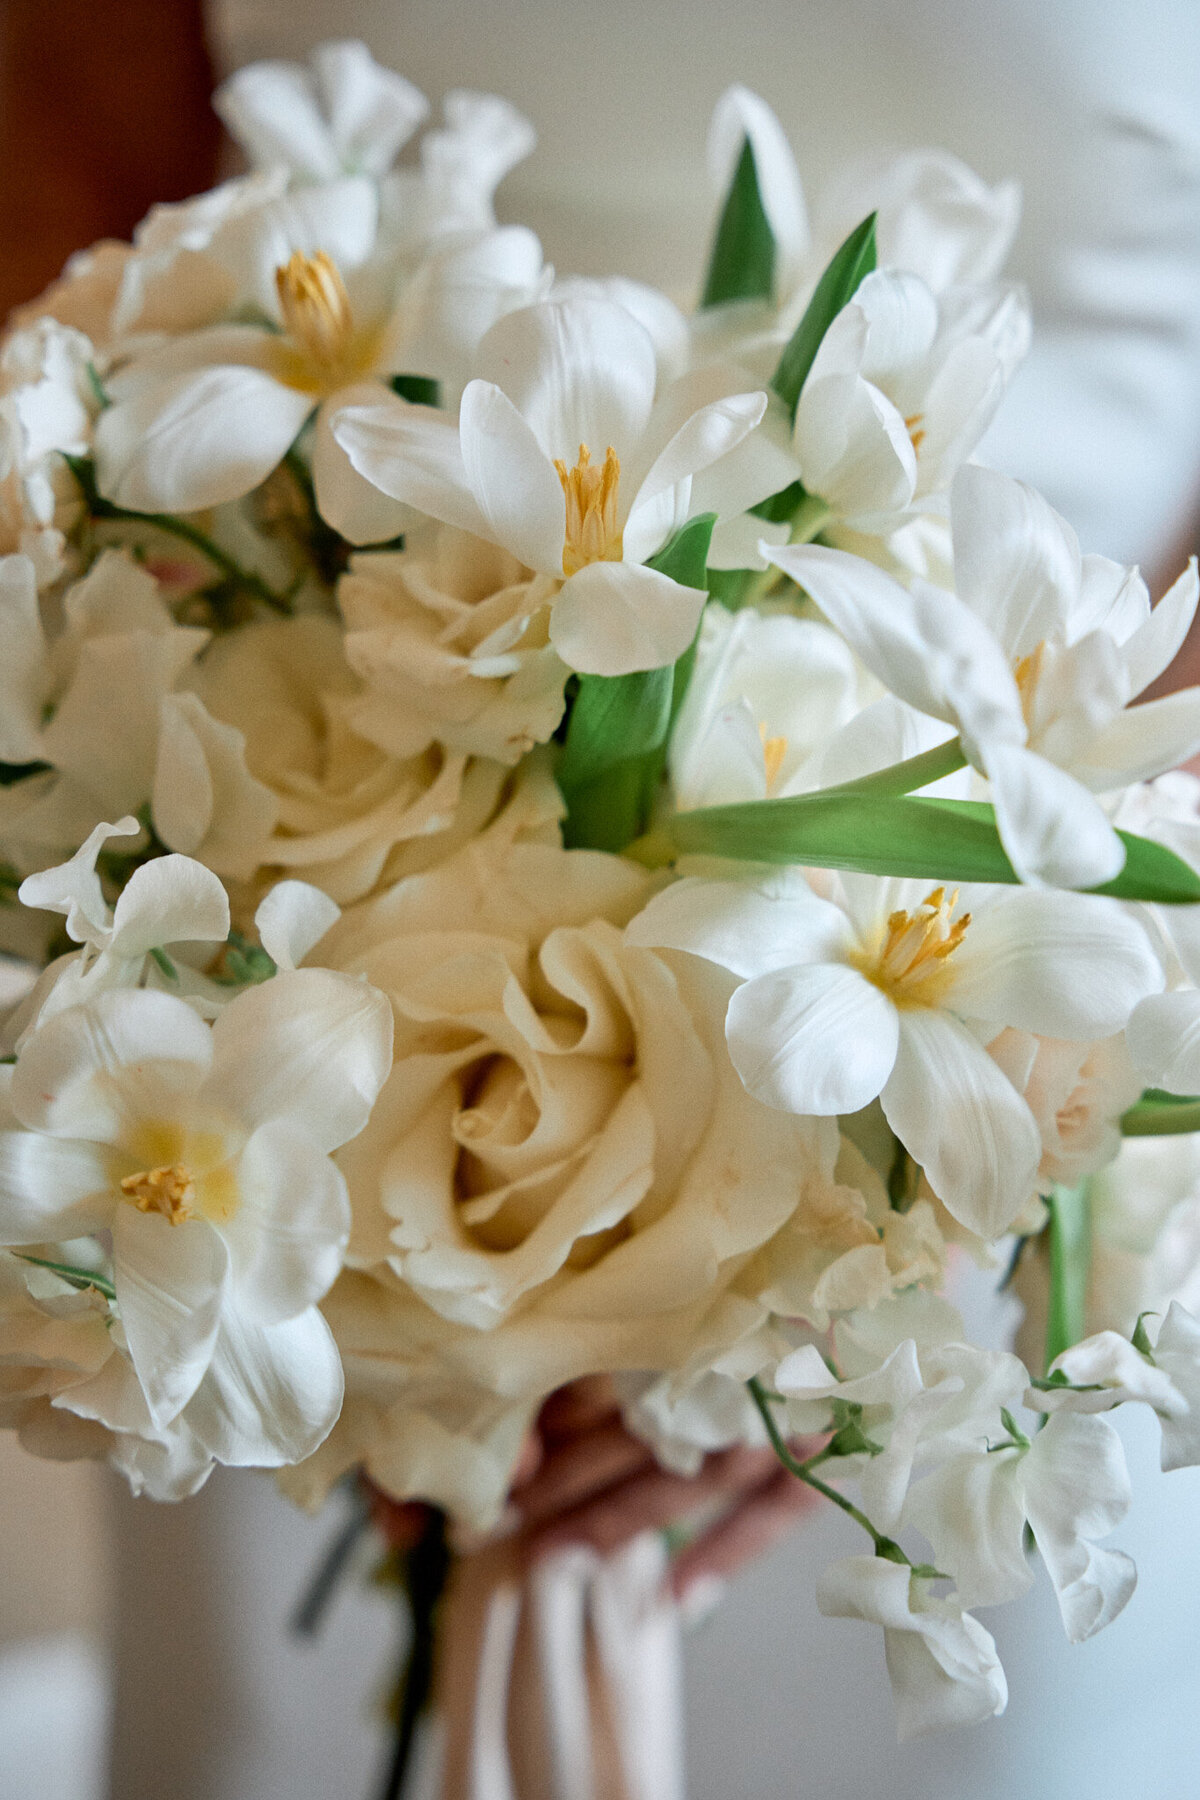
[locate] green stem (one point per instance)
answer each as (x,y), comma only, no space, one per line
(812,515)
(884,1546)
(908,776)
(1148,1119)
(78,1278)
(102,509)
(1070,1234)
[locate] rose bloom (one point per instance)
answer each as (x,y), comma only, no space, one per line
(562,1174)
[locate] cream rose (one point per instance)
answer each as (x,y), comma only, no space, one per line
(450,639)
(562,1174)
(349,816)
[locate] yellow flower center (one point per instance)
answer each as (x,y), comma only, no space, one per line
(1027,673)
(592,534)
(180,1172)
(915,426)
(774,751)
(315,305)
(170,1191)
(910,960)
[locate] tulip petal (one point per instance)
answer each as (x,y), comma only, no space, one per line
(616,618)
(518,492)
(291,1227)
(813,1039)
(170,1281)
(272,1392)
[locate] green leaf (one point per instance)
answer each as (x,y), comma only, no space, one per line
(12,772)
(616,740)
(742,263)
(165,964)
(909,835)
(1139,1337)
(837,286)
(1070,1263)
(1159,1114)
(422,390)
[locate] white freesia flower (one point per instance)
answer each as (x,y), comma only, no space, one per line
(564,457)
(1034,663)
(460,165)
(204,1152)
(343,115)
(891,989)
(942,1663)
(450,638)
(1069,1484)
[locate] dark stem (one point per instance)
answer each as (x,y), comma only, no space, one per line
(427,1567)
(307,1618)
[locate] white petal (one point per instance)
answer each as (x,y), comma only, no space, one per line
(74,888)
(272,1393)
(748,928)
(739,115)
(1164,1041)
(125,1055)
(709,434)
(1051,827)
(1016,562)
(308,1045)
(960,1118)
(972,1512)
(291,1226)
(924,645)
(615,618)
(1155,644)
(1077,1488)
(170,1282)
(411,453)
(196,440)
(581,370)
(518,491)
(204,798)
(171,900)
(1061,965)
(817,1039)
(50,1189)
(1141,742)
(354,506)
(372,111)
(292,920)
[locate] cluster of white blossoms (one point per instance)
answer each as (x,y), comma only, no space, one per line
(572,836)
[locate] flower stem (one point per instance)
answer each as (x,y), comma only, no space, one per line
(428,1565)
(906,777)
(101,509)
(803,1471)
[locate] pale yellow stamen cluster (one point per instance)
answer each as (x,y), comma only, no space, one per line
(1027,673)
(911,962)
(590,490)
(915,426)
(774,751)
(315,306)
(170,1191)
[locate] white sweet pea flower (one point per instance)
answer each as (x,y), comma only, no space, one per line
(203,1153)
(891,989)
(920,1406)
(1034,663)
(461,164)
(343,115)
(46,408)
(1106,1370)
(942,1663)
(1069,1484)
(524,468)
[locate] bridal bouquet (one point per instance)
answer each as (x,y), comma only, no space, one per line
(567,836)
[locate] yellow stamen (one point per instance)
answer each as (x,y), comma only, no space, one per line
(1027,673)
(315,306)
(774,751)
(915,427)
(911,961)
(592,534)
(170,1191)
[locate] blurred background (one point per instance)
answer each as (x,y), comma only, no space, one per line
(143,1650)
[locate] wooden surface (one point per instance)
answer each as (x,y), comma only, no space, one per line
(104,109)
